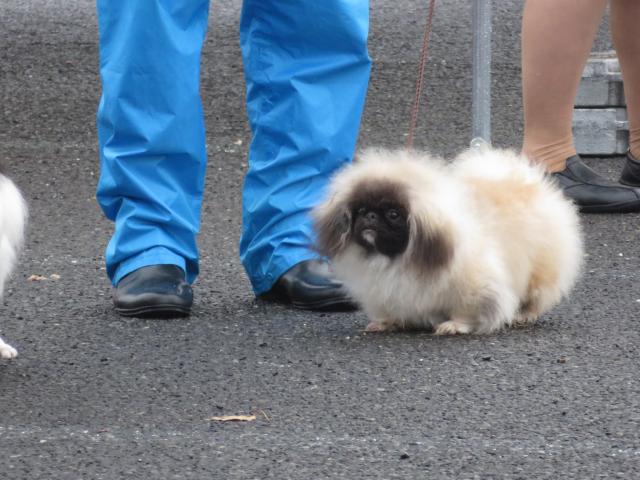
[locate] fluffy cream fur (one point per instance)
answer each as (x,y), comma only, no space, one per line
(509,244)
(13,214)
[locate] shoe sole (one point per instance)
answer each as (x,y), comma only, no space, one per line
(155,311)
(320,306)
(326,306)
(632,207)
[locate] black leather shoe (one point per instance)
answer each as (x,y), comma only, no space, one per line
(156,291)
(593,193)
(631,172)
(310,285)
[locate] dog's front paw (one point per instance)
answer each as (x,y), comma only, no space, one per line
(453,327)
(378,327)
(7,351)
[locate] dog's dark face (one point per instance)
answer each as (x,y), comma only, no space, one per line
(376,215)
(387,210)
(380,218)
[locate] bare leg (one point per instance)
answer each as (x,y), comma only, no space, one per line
(556,40)
(624,19)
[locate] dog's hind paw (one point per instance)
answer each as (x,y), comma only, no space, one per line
(524,320)
(7,351)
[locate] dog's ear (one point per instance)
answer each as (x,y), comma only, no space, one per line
(333,227)
(430,248)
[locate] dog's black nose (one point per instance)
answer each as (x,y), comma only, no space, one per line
(371,216)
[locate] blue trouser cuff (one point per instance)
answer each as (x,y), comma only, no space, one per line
(152,256)
(278,266)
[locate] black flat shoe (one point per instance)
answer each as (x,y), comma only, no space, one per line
(310,285)
(156,291)
(593,193)
(631,172)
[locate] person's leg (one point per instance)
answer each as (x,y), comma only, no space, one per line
(307,71)
(556,40)
(151,132)
(624,18)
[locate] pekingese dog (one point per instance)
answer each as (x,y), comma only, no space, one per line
(13,215)
(469,247)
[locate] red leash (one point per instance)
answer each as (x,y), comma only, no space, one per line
(420,80)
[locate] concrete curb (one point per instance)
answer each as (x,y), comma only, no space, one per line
(600,124)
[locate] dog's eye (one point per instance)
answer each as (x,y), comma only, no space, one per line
(392,214)
(362,211)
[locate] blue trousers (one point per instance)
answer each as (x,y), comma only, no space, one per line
(306,68)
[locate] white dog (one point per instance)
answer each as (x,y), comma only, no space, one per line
(13,215)
(464,248)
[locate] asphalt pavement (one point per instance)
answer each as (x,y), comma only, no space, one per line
(96,396)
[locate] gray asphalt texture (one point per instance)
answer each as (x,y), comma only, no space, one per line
(96,396)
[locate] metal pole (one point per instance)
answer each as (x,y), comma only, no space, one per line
(481,103)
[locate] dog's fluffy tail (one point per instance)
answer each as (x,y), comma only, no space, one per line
(13,217)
